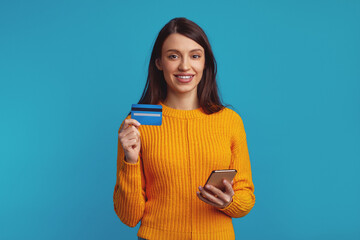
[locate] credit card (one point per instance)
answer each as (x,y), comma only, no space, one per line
(147,114)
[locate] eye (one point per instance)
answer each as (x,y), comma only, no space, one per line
(196,56)
(172,56)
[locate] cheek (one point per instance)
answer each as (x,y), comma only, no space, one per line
(169,67)
(200,70)
(200,66)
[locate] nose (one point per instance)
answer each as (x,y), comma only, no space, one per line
(184,64)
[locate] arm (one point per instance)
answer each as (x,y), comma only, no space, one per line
(129,192)
(244,198)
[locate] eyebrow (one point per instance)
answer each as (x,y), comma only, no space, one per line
(194,50)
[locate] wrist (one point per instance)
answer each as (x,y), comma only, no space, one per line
(130,161)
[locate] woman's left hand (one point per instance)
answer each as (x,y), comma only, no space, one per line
(214,196)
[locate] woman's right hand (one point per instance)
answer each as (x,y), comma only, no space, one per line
(129,137)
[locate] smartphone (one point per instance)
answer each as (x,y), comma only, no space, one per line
(216,177)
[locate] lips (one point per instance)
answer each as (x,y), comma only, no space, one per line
(184,78)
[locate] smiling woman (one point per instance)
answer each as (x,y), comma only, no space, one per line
(182,43)
(161,169)
(183,64)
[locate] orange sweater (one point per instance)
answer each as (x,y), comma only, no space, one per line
(176,158)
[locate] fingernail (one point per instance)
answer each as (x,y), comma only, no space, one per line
(200,188)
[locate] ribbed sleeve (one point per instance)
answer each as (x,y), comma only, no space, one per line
(244,198)
(129,192)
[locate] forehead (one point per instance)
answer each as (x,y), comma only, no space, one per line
(180,43)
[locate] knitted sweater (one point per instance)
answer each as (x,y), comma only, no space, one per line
(175,159)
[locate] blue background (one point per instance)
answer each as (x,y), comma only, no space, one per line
(70,71)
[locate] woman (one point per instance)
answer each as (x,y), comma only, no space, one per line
(161,169)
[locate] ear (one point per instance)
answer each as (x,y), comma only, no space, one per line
(158,64)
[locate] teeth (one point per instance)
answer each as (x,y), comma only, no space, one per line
(185,77)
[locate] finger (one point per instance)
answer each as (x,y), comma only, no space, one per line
(132,135)
(130,141)
(125,132)
(210,197)
(128,122)
(217,192)
(130,144)
(232,182)
(130,128)
(205,200)
(228,187)
(214,190)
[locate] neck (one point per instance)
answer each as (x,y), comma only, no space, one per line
(183,102)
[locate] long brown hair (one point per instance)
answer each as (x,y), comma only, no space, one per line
(207,90)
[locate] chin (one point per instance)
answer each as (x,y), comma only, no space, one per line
(185,90)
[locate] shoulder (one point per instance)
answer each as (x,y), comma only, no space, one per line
(230,116)
(233,122)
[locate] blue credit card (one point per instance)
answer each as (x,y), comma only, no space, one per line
(147,114)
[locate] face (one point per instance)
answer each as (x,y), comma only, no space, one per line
(182,62)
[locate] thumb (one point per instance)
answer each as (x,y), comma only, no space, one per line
(228,187)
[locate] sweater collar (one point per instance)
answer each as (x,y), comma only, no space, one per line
(185,114)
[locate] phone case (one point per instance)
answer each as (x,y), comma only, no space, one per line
(217,176)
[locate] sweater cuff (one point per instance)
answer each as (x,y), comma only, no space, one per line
(238,207)
(226,209)
(131,169)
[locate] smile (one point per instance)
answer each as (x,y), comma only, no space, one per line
(184,78)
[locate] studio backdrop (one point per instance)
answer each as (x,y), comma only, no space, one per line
(70,70)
